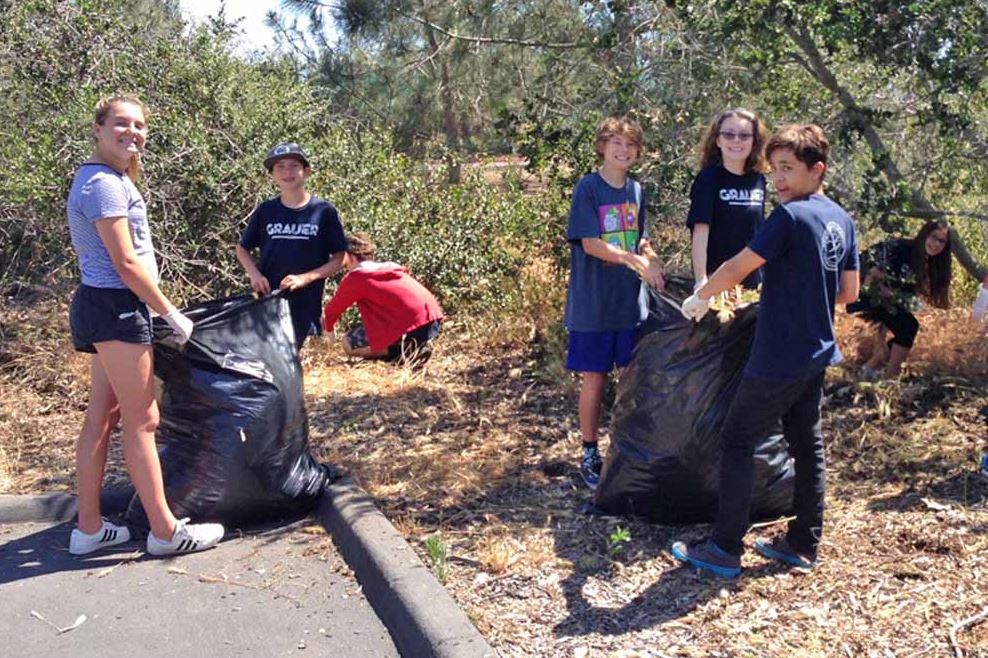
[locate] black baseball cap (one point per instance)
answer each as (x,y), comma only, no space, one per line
(285,150)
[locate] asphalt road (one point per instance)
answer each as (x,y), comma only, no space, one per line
(277,592)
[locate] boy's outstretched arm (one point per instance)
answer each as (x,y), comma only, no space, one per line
(324,271)
(728,275)
(258,282)
(346,296)
(731,273)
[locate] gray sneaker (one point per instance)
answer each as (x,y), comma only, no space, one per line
(779,549)
(708,556)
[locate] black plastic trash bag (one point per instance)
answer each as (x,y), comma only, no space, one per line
(664,459)
(233,435)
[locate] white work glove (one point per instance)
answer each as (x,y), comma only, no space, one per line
(981,303)
(694,307)
(180,324)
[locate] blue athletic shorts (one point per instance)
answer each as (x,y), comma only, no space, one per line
(600,351)
(102,314)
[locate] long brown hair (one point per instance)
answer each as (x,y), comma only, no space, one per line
(103,108)
(710,152)
(932,272)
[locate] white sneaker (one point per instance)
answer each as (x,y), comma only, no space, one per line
(188,538)
(81,543)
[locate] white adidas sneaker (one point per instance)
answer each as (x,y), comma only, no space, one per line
(81,543)
(188,538)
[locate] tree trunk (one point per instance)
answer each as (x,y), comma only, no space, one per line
(814,63)
(449,110)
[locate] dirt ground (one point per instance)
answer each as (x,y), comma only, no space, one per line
(474,460)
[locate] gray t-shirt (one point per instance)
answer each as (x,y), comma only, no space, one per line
(101,192)
(605,296)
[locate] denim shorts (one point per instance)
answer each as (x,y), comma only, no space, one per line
(600,351)
(102,314)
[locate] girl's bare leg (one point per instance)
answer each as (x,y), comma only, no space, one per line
(102,415)
(129,369)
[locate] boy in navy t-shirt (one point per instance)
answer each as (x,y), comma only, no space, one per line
(809,250)
(300,239)
(605,301)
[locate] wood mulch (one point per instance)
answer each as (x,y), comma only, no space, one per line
(478,451)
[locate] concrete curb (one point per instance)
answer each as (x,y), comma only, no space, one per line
(58,506)
(423,619)
(420,614)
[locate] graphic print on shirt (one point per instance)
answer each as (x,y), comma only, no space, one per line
(619,225)
(734,197)
(279,231)
(834,246)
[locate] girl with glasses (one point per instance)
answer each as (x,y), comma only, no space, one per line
(727,198)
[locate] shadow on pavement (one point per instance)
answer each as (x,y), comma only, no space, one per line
(46,551)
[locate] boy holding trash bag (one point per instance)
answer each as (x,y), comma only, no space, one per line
(809,250)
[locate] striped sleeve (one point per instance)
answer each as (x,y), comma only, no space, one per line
(104,196)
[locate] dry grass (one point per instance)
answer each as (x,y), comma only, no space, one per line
(481,446)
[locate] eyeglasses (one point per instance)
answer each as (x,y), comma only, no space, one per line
(731,136)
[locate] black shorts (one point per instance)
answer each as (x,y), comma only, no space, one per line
(101,314)
(403,348)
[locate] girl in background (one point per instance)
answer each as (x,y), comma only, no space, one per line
(727,198)
(897,272)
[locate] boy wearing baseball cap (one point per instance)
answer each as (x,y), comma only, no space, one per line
(299,237)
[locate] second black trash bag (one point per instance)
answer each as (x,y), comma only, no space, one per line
(664,459)
(233,435)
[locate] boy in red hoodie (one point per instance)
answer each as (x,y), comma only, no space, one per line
(400,315)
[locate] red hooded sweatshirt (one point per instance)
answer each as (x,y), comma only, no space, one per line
(390,301)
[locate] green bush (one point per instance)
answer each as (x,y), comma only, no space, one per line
(212,117)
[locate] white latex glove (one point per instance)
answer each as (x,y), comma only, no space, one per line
(695,307)
(699,284)
(981,303)
(180,324)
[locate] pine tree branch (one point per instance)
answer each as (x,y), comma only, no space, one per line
(529,43)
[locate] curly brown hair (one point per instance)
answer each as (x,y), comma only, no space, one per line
(710,152)
(613,126)
(359,246)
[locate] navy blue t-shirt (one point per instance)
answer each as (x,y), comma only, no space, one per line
(605,296)
(734,207)
(293,241)
(807,245)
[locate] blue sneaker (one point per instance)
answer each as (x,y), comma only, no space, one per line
(708,556)
(779,549)
(984,465)
(590,466)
